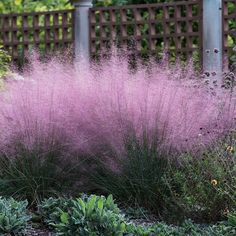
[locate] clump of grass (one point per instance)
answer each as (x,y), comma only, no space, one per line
(207,181)
(35,175)
(132,122)
(173,185)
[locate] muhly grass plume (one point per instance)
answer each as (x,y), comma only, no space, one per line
(88,109)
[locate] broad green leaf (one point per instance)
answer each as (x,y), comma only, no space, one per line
(91,205)
(100,205)
(65,218)
(82,205)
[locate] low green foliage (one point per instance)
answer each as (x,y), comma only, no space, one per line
(200,186)
(142,179)
(136,213)
(232,218)
(100,216)
(162,229)
(187,228)
(97,216)
(13,216)
(207,183)
(4,62)
(35,175)
(84,216)
(220,229)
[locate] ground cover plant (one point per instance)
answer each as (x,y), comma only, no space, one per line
(14,217)
(93,215)
(154,136)
(87,215)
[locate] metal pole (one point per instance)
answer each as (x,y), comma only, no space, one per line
(82,28)
(212,38)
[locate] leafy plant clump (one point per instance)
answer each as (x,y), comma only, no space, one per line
(13,216)
(97,215)
(84,216)
(93,215)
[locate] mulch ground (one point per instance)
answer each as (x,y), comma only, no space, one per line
(38,232)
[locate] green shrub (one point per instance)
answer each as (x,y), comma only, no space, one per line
(4,62)
(13,216)
(83,216)
(207,183)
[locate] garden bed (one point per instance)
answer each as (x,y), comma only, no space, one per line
(95,215)
(156,138)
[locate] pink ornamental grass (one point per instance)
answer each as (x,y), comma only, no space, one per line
(90,108)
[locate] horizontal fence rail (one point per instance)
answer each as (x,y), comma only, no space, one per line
(44,31)
(174,27)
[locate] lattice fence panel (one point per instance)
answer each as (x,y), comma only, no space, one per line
(148,28)
(44,31)
(229,30)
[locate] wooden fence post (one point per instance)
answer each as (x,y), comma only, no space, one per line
(212,38)
(81,25)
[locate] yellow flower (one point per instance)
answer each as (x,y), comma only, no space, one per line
(230,149)
(214,182)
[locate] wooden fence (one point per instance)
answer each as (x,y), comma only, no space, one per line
(45,31)
(229,27)
(149,28)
